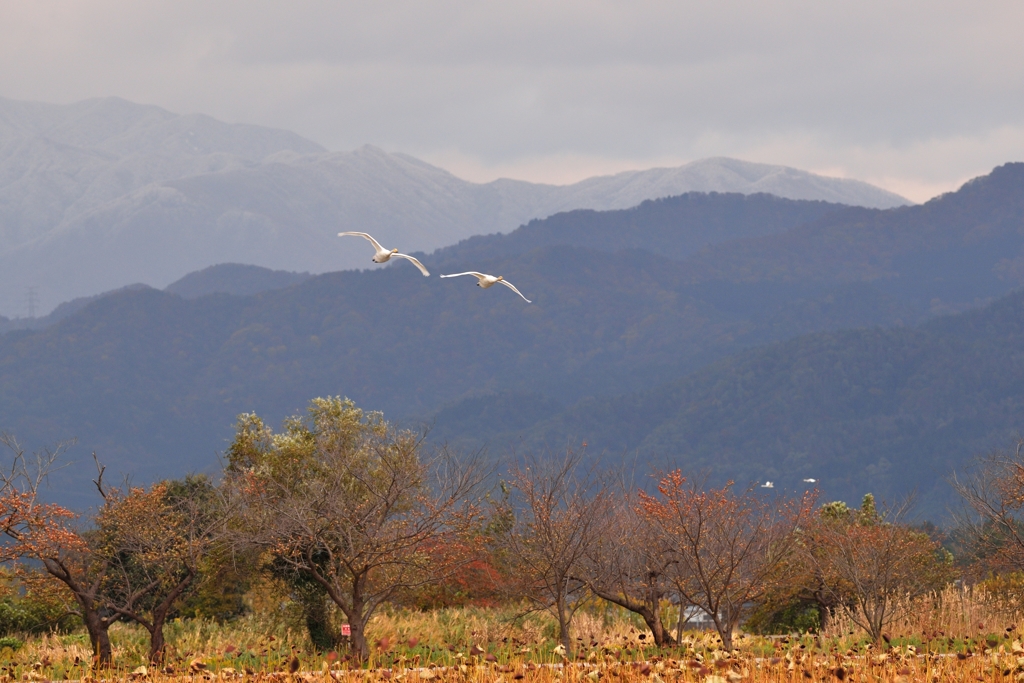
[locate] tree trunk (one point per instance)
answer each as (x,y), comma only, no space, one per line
(679,622)
(725,633)
(156,631)
(650,612)
(357,619)
(360,650)
(563,626)
(354,606)
(98,636)
(156,644)
(825,606)
(875,618)
(156,634)
(824,614)
(95,625)
(662,637)
(724,624)
(652,617)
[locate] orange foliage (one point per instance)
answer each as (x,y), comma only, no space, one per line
(729,548)
(35,529)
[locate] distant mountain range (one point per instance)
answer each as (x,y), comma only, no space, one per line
(631,343)
(105,193)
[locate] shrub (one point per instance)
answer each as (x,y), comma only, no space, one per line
(31,606)
(795,616)
(10,642)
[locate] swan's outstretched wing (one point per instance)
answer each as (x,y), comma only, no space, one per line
(478,276)
(509,285)
(375,243)
(415,262)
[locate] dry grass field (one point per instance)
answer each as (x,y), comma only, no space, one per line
(959,635)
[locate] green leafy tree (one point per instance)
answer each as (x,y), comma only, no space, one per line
(30,603)
(345,499)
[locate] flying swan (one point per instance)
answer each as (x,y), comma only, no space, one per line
(383,254)
(484,280)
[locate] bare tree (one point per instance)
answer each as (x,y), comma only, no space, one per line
(728,548)
(629,563)
(348,500)
(993,492)
(559,511)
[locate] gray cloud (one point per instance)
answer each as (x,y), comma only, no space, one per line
(915,96)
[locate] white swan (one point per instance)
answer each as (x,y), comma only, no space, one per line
(484,280)
(768,485)
(383,254)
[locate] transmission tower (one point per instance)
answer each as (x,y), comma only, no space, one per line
(31,300)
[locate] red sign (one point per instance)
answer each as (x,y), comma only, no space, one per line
(346,630)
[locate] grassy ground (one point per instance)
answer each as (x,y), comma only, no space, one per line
(500,645)
(272,658)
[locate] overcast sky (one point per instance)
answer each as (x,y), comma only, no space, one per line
(915,96)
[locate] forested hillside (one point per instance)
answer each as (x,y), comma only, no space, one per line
(883,410)
(958,246)
(153,381)
(674,227)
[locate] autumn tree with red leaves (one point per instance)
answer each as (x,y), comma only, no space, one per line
(30,526)
(155,543)
(727,547)
(476,581)
(871,561)
(43,532)
(142,555)
(138,559)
